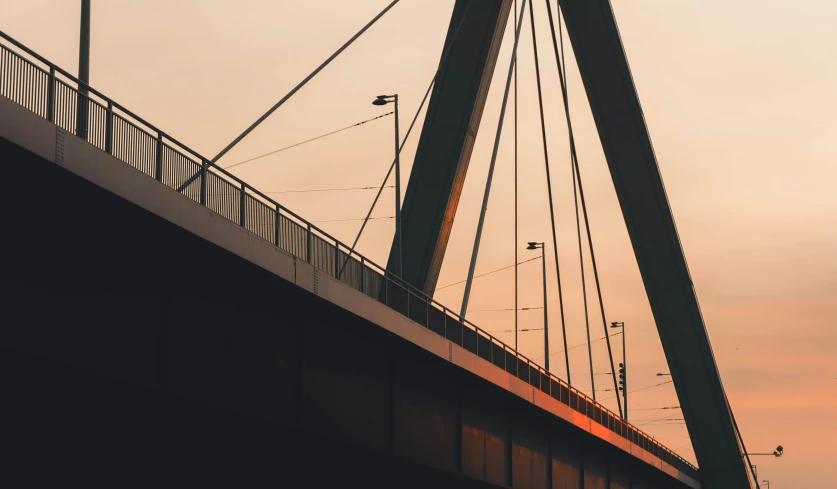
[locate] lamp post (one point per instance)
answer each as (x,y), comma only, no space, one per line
(623,367)
(383,100)
(534,246)
(83,70)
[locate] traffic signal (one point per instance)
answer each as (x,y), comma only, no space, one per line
(621,376)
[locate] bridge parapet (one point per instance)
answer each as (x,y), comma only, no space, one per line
(47,90)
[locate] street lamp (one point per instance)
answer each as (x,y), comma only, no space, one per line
(776,453)
(662,374)
(768,483)
(383,100)
(534,246)
(623,367)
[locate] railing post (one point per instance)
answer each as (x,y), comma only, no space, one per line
(308,245)
(241,204)
(362,274)
(203,182)
(51,95)
(337,260)
(276,227)
(427,311)
(109,129)
(158,164)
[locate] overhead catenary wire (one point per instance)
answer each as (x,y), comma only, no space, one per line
(578,346)
(484,207)
(308,141)
(508,309)
(488,273)
(656,409)
(659,419)
(311,190)
(642,389)
(548,189)
(442,62)
(524,330)
(356,219)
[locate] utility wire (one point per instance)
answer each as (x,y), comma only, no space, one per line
(578,346)
(356,219)
(489,273)
(642,389)
(549,190)
(308,141)
(655,420)
(512,330)
(407,134)
(657,409)
(507,309)
(323,190)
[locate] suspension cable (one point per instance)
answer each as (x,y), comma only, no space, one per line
(302,83)
(549,189)
(442,62)
(308,140)
(577,178)
(491,166)
(516,252)
(561,64)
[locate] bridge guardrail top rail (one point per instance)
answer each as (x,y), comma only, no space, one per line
(50,92)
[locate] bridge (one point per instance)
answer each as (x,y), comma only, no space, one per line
(171,321)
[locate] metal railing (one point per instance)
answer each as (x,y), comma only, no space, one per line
(50,92)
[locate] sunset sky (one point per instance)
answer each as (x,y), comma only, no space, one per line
(740,101)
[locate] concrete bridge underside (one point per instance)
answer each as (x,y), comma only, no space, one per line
(137,352)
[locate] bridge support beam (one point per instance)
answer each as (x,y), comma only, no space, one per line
(627,146)
(447,138)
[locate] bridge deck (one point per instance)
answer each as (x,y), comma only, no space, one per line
(226,212)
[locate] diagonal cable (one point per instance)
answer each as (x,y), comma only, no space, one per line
(549,190)
(290,94)
(577,178)
(491,166)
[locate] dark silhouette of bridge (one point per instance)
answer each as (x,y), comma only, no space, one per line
(162,336)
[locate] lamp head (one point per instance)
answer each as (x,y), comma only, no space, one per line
(380,101)
(779,451)
(532,245)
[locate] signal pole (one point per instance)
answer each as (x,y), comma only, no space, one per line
(623,384)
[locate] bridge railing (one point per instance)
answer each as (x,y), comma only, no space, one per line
(53,93)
